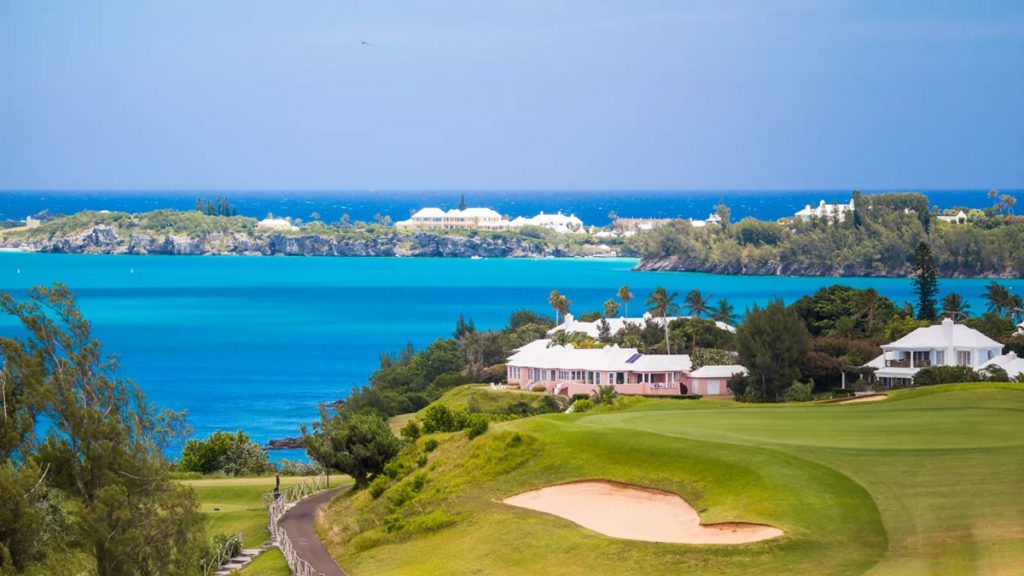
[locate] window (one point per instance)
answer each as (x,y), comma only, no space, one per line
(940,357)
(963,357)
(590,377)
(620,378)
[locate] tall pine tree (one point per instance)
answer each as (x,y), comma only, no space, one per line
(926,283)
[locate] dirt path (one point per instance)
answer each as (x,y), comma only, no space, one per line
(299,524)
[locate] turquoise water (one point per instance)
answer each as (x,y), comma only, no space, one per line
(256,343)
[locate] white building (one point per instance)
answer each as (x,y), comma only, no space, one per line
(1010,362)
(470,219)
(570,324)
(945,344)
(275,224)
(31,222)
(561,223)
(823,210)
(958,218)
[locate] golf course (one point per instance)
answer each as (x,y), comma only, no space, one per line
(926,481)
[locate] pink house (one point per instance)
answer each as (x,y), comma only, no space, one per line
(568,370)
(712,380)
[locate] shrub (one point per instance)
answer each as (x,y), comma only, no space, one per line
(224,452)
(430,444)
(296,468)
(582,405)
(604,395)
(393,523)
(515,441)
(411,431)
(378,486)
(539,388)
(419,480)
(440,418)
(945,375)
(421,461)
(798,392)
(477,425)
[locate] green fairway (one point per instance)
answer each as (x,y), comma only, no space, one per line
(926,482)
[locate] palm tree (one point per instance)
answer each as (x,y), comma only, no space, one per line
(696,304)
(611,308)
(553,300)
(625,295)
(724,312)
(1016,307)
(563,305)
(954,306)
(999,298)
(663,304)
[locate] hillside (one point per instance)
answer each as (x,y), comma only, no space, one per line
(173,232)
(924,482)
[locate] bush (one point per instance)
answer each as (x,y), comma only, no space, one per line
(440,418)
(539,388)
(411,431)
(582,405)
(798,392)
(477,425)
(945,375)
(378,486)
(224,452)
(604,395)
(430,444)
(421,461)
(296,468)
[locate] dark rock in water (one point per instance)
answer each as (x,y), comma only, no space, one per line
(289,443)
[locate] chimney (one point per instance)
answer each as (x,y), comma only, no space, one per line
(568,318)
(947,330)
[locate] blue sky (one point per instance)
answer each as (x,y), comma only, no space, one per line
(559,94)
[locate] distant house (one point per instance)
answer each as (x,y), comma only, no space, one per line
(32,222)
(945,344)
(568,370)
(958,218)
(275,224)
(571,324)
(558,222)
(822,210)
(712,380)
(1010,362)
(711,219)
(469,219)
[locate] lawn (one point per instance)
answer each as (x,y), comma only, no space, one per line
(926,482)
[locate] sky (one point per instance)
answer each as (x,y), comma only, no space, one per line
(511,94)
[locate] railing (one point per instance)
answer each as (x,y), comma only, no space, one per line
(224,553)
(279,503)
(906,363)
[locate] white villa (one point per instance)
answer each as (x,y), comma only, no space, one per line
(1010,362)
(487,219)
(711,219)
(470,218)
(958,218)
(568,370)
(279,224)
(945,344)
(823,210)
(570,324)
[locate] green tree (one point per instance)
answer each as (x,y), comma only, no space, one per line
(661,303)
(1001,301)
(555,301)
(954,306)
(701,357)
(103,451)
(723,212)
(355,444)
(625,295)
(772,343)
(696,304)
(926,283)
(611,308)
(724,312)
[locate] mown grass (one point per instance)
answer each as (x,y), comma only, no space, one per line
(925,482)
(270,563)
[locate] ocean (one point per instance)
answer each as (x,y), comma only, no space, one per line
(256,343)
(593,207)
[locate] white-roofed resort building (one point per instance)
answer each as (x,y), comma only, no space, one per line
(945,344)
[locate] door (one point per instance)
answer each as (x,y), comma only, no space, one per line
(714,387)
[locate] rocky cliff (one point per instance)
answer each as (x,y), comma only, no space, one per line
(105,239)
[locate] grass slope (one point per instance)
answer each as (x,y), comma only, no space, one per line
(926,482)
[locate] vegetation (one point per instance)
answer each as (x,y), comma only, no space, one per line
(878,486)
(225,453)
(355,444)
(94,492)
(878,239)
(772,342)
(926,283)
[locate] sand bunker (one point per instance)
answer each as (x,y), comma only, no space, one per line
(858,399)
(636,513)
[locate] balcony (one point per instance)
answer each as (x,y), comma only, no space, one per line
(906,363)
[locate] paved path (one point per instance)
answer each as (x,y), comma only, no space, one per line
(298,523)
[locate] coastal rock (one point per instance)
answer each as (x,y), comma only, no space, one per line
(288,443)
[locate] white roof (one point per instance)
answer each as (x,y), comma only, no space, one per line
(479,213)
(538,354)
(429,213)
(724,371)
(944,335)
(592,329)
(1013,365)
